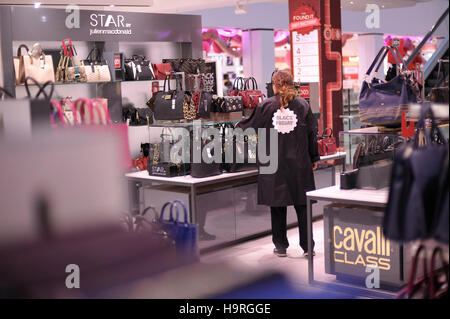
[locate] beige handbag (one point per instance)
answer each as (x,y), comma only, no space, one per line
(18,65)
(38,66)
(97,73)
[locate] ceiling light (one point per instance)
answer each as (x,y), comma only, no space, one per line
(351,2)
(111,6)
(382,5)
(37,4)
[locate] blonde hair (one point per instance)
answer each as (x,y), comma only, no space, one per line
(284,84)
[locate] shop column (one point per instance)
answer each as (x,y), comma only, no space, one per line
(368,46)
(258,52)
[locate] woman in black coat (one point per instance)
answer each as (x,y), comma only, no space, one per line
(297,157)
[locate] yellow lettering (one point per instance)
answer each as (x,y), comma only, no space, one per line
(339,229)
(360,260)
(349,236)
(371,240)
(359,240)
(347,261)
(386,265)
(371,260)
(388,247)
(338,260)
(383,246)
(378,241)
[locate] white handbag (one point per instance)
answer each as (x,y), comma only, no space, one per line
(96,68)
(97,73)
(38,66)
(18,65)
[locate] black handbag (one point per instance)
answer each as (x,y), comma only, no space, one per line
(137,68)
(168,104)
(227,104)
(204,169)
(244,156)
(415,180)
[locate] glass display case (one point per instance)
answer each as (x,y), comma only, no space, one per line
(370,155)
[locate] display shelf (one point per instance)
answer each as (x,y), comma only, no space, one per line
(188,180)
(190,123)
(353,196)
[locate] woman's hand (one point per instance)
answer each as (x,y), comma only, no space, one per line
(315,165)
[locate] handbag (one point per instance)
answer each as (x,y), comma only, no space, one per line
(227,104)
(137,116)
(438,288)
(38,66)
(18,64)
(244,156)
(199,97)
(238,86)
(416,287)
(380,103)
(183,233)
(414,190)
(96,68)
(203,169)
(168,104)
(251,97)
(137,68)
(327,143)
(161,70)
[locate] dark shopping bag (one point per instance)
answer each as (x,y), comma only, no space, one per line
(380,103)
(183,233)
(327,143)
(168,104)
(413,201)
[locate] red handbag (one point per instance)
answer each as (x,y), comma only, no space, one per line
(140,163)
(161,70)
(251,97)
(327,143)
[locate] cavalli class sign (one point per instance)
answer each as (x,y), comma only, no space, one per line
(355,242)
(361,246)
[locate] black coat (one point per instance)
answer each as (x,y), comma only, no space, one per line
(297,151)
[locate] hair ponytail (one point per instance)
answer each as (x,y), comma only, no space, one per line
(285,86)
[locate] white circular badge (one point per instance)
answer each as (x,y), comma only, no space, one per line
(284,122)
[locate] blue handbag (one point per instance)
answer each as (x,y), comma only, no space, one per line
(380,103)
(414,196)
(183,233)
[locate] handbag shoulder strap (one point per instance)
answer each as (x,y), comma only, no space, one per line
(19,49)
(175,204)
(6,93)
(254,84)
(101,108)
(382,51)
(163,209)
(81,104)
(41,88)
(395,53)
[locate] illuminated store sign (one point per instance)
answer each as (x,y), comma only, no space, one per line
(362,246)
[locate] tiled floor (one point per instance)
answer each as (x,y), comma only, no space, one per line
(258,253)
